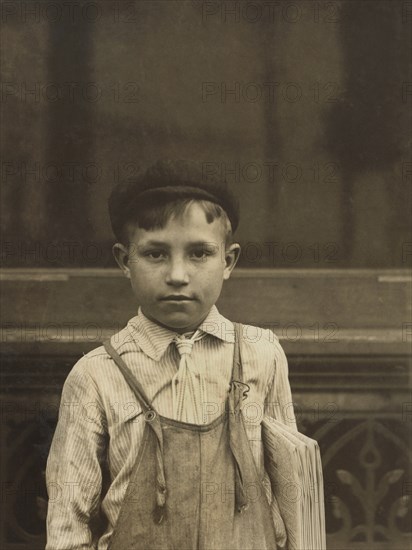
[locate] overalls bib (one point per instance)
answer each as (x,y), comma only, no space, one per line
(194,487)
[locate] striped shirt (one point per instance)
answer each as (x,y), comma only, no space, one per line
(100,423)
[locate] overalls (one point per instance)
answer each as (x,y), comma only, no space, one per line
(194,487)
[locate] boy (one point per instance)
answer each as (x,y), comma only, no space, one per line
(159,431)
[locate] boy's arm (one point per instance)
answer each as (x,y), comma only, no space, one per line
(74,474)
(278,402)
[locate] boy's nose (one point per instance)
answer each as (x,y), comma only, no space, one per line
(177,274)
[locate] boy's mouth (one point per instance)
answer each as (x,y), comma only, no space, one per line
(176,298)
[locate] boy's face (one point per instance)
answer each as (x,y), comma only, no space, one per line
(177,272)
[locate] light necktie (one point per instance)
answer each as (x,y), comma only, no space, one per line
(188,386)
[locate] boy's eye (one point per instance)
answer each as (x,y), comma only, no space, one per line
(155,254)
(200,253)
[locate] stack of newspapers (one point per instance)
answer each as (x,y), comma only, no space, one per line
(293,464)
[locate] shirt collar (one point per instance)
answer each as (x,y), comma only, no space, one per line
(217,325)
(154,339)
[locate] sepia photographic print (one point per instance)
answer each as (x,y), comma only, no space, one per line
(206,286)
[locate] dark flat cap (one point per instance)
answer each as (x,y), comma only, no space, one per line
(167,181)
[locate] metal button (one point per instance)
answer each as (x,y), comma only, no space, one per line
(150,415)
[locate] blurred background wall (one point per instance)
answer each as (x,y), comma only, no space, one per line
(304,107)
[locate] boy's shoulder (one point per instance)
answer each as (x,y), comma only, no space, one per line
(95,376)
(94,361)
(261,341)
(261,350)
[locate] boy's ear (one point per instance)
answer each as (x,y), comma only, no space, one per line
(232,254)
(121,255)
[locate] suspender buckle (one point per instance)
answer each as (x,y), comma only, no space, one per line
(150,415)
(243,508)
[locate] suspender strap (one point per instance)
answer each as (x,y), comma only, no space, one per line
(239,388)
(237,435)
(237,367)
(130,379)
(152,420)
